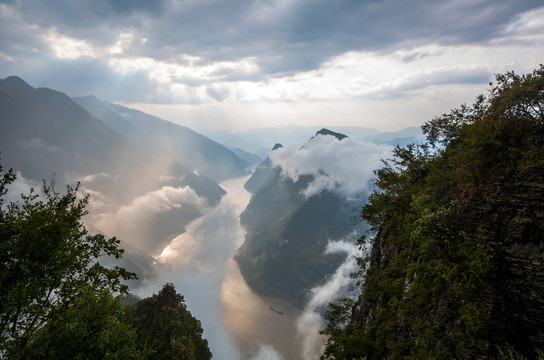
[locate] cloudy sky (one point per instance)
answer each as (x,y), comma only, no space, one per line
(241,64)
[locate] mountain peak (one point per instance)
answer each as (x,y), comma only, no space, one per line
(330,133)
(15,82)
(86,98)
(277,146)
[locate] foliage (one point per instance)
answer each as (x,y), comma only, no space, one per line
(422,295)
(58,302)
(91,327)
(47,260)
(165,327)
(509,353)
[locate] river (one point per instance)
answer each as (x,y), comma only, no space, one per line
(237,323)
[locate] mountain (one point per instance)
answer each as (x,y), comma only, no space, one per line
(145,175)
(456,269)
(339,136)
(401,138)
(258,141)
(248,158)
(283,252)
(164,324)
(263,174)
(189,148)
(44,132)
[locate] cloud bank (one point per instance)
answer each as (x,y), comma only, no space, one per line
(335,288)
(237,52)
(149,221)
(345,167)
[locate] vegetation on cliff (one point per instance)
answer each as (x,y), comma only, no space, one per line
(166,329)
(58,302)
(283,253)
(456,269)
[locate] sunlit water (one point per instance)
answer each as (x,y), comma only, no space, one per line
(237,323)
(246,315)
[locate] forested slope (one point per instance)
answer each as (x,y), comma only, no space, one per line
(457,266)
(58,300)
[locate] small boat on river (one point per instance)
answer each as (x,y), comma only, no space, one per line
(275,310)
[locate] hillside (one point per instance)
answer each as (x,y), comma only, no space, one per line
(288,229)
(44,132)
(456,268)
(185,146)
(146,176)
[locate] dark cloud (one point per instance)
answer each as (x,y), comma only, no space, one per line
(87,75)
(284,37)
(129,6)
(217,94)
(280,37)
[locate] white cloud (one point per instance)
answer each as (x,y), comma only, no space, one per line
(21,185)
(161,200)
(140,222)
(345,167)
(67,48)
(267,353)
(336,287)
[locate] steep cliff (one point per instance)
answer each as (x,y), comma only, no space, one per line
(283,252)
(457,265)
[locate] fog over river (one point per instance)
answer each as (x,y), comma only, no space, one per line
(238,323)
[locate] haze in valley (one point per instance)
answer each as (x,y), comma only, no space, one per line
(180,102)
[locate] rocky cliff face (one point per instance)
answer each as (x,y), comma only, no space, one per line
(457,265)
(509,223)
(514,235)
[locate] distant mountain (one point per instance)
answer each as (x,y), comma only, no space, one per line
(155,135)
(259,141)
(248,158)
(102,110)
(44,133)
(283,253)
(401,138)
(131,163)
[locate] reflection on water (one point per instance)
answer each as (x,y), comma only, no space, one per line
(251,323)
(246,315)
(236,321)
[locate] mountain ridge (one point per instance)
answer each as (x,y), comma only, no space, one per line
(287,232)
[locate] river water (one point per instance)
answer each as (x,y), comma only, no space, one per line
(246,316)
(238,323)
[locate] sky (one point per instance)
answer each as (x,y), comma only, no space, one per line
(242,64)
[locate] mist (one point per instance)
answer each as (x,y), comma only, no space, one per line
(198,259)
(345,167)
(337,286)
(199,254)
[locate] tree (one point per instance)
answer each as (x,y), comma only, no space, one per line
(48,261)
(441,215)
(165,326)
(91,328)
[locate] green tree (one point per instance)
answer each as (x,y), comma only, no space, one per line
(91,328)
(423,293)
(48,262)
(167,328)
